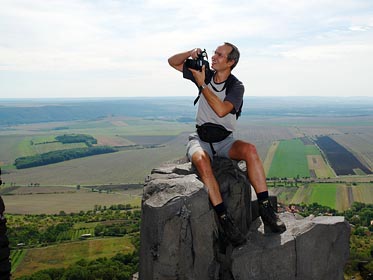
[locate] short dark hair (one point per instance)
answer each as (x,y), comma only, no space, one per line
(233,55)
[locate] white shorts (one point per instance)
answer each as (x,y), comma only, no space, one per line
(221,148)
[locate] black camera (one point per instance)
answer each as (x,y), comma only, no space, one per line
(198,62)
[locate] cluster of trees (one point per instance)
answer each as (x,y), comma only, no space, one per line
(360,216)
(36,230)
(76,138)
(119,267)
(32,235)
(116,229)
(316,210)
(60,155)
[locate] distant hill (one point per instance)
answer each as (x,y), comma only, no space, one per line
(33,111)
(23,111)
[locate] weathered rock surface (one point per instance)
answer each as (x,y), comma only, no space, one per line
(181,239)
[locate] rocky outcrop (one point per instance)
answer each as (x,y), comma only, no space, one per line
(181,238)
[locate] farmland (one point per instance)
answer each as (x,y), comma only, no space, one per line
(284,139)
(149,132)
(151,138)
(64,255)
(53,199)
(290,160)
(342,161)
(339,196)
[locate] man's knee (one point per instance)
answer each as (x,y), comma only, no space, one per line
(202,162)
(245,150)
(250,149)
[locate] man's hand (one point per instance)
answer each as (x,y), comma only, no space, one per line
(199,76)
(177,61)
(195,52)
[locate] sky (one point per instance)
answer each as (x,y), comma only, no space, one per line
(81,48)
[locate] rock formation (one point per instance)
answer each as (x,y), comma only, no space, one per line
(181,238)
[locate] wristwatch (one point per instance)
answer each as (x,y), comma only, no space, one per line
(202,87)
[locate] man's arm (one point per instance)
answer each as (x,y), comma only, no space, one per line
(177,61)
(221,108)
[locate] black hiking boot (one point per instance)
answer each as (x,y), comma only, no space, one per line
(270,217)
(231,231)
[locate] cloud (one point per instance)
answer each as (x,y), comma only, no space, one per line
(123,41)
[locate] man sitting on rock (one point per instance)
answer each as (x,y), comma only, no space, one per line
(220,103)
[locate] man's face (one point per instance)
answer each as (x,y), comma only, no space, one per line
(220,58)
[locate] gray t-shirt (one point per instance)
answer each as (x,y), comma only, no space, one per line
(234,95)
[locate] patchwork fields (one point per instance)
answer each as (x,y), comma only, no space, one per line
(302,171)
(339,196)
(287,146)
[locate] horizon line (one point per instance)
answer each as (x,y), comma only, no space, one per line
(168,96)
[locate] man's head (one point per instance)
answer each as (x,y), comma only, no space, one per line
(226,55)
(233,55)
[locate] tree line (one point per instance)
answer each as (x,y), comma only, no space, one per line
(36,230)
(41,230)
(76,138)
(60,155)
(119,267)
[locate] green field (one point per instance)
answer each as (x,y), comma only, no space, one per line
(16,257)
(290,160)
(63,255)
(311,150)
(166,141)
(363,192)
(339,196)
(324,194)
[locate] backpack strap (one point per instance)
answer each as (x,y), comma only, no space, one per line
(230,81)
(209,75)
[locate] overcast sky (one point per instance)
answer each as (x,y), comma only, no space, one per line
(118,48)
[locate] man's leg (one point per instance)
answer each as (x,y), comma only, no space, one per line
(241,150)
(202,163)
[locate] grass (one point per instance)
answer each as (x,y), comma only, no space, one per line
(343,199)
(9,148)
(270,155)
(16,257)
(335,195)
(25,147)
(363,192)
(75,234)
(312,150)
(72,202)
(318,164)
(63,255)
(55,146)
(290,160)
(301,195)
(324,194)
